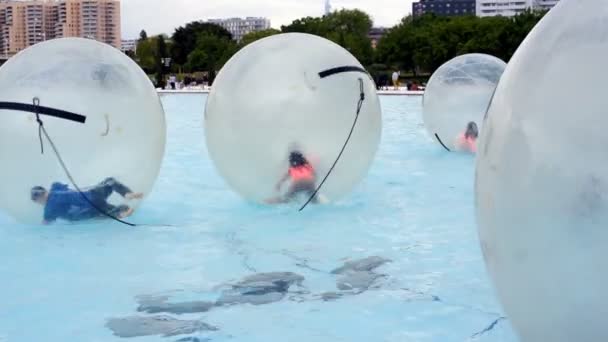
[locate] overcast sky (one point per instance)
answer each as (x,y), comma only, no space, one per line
(162,16)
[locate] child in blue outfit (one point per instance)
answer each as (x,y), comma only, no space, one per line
(60,202)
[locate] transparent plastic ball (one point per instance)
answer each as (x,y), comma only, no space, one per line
(542,179)
(457,97)
(287,101)
(120,135)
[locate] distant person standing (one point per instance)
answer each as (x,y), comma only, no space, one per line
(396,75)
(172,81)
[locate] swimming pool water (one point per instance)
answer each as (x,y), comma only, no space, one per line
(62,283)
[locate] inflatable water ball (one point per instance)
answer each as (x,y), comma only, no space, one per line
(542,179)
(100,111)
(281,110)
(457,97)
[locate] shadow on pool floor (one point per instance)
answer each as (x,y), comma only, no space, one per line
(352,278)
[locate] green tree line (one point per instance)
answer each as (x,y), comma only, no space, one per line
(421,45)
(416,45)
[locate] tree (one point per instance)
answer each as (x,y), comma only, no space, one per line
(210,54)
(348,28)
(150,52)
(492,40)
(257,35)
(160,59)
(416,44)
(185,38)
(311,25)
(143,35)
(131,54)
(425,43)
(396,48)
(146,55)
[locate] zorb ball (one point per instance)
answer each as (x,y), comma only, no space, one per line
(292,94)
(542,179)
(457,97)
(100,111)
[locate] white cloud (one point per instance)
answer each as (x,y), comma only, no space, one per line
(163,16)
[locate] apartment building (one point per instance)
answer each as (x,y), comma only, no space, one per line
(239,27)
(25,23)
(507,8)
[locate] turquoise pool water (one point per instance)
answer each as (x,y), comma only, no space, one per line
(65,283)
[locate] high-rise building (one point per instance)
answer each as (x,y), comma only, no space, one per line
(545,4)
(239,27)
(507,8)
(327,7)
(444,7)
(25,23)
(129,45)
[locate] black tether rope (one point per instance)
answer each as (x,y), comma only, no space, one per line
(40,110)
(441,142)
(359,106)
(342,69)
(40,124)
(42,130)
(485,116)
